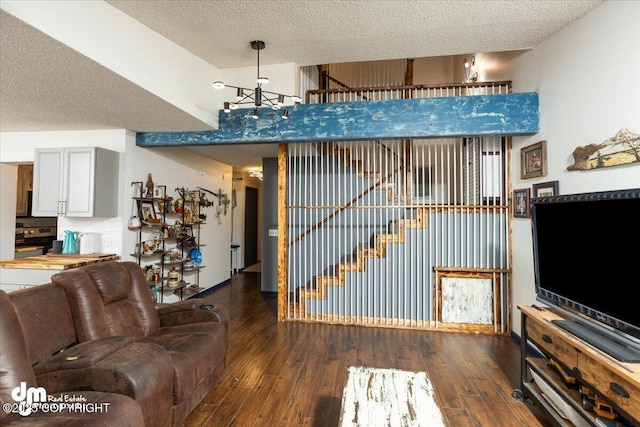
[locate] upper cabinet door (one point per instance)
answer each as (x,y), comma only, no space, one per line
(76,182)
(79,181)
(47,181)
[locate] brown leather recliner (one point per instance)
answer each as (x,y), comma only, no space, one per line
(112,299)
(103,410)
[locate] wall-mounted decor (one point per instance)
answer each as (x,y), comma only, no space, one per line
(468,299)
(533,160)
(521,200)
(545,189)
(620,149)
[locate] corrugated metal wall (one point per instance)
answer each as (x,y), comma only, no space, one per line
(369,221)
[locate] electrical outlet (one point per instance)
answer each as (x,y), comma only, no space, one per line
(107,240)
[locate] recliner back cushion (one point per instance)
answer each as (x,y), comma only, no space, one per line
(105,289)
(113,284)
(137,288)
(141,297)
(43,311)
(85,303)
(15,366)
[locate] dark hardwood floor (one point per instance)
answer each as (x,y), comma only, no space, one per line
(284,374)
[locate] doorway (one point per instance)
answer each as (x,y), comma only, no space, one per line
(250,226)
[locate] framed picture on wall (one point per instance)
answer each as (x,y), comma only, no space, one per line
(521,203)
(545,189)
(533,160)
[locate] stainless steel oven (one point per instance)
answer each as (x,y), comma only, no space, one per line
(36,232)
(19,233)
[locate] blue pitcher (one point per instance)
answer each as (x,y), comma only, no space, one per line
(70,242)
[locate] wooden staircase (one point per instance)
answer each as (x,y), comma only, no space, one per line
(319,289)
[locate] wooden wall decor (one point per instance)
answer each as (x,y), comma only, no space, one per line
(468,300)
(620,149)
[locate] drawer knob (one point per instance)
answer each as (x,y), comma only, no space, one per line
(546,338)
(619,390)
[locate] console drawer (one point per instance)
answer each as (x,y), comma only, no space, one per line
(604,379)
(552,341)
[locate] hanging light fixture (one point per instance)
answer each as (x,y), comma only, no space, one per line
(256,173)
(257,96)
(470,73)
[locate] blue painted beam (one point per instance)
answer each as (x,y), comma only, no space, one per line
(450,117)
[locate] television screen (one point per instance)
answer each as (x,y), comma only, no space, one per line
(587,255)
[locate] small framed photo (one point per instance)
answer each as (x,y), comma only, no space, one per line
(147,211)
(186,231)
(545,189)
(159,191)
(533,160)
(521,203)
(137,189)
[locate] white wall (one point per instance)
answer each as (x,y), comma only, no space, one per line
(586,76)
(170,166)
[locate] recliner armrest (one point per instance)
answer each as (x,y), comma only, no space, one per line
(193,310)
(186,305)
(83,355)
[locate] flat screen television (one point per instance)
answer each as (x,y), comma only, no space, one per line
(586,253)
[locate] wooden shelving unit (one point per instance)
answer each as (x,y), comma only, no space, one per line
(616,384)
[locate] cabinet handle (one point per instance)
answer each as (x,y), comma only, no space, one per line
(546,338)
(577,373)
(618,389)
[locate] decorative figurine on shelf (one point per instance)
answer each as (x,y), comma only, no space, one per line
(168,204)
(149,186)
(179,207)
(196,255)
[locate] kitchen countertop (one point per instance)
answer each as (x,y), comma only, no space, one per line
(57,261)
(29,248)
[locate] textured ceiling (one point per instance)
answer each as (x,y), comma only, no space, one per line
(323,32)
(47,86)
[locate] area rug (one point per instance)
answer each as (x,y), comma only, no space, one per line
(376,397)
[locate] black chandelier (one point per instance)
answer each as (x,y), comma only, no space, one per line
(470,73)
(258,97)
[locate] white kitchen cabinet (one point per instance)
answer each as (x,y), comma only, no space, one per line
(75,182)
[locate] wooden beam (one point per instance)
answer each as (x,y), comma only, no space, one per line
(283,254)
(447,117)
